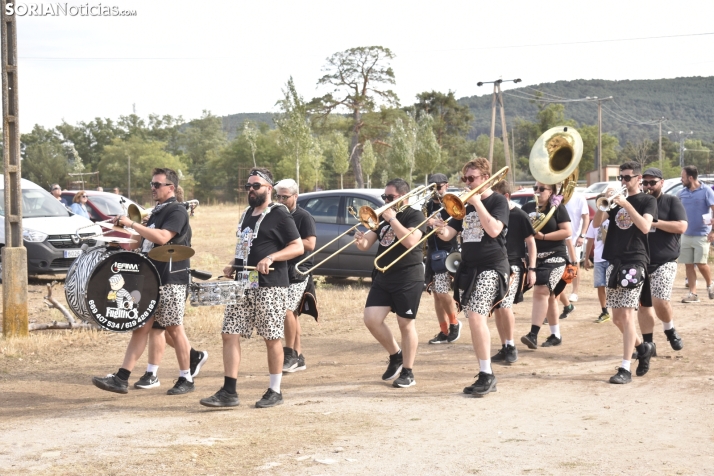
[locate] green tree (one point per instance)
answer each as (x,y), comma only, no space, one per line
(403,141)
(250,133)
(294,127)
(202,140)
(369,161)
(481,148)
(338,154)
(427,155)
(44,158)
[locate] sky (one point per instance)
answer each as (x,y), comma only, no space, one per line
(181,57)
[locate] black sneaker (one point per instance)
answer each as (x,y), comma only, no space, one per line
(622,376)
(654,349)
(552,341)
(290,361)
(454,331)
(674,340)
(221,399)
(566,311)
(440,338)
(181,386)
(406,379)
(111,383)
(270,399)
(643,360)
(511,354)
(500,355)
(394,367)
(197,363)
(301,363)
(486,383)
(148,380)
(530,340)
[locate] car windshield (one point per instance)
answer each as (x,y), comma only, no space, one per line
(109,204)
(521,200)
(36,203)
(597,187)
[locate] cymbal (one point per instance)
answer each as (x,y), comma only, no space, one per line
(115,239)
(168,252)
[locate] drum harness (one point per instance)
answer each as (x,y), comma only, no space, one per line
(245,247)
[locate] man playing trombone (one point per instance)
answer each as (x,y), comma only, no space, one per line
(398,288)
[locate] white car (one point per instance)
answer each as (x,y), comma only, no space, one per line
(49,230)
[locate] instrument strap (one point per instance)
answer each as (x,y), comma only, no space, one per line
(254,235)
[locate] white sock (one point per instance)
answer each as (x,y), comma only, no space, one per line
(510,342)
(186,374)
(626,365)
(555,330)
(668,325)
(152,368)
(275,382)
(485,366)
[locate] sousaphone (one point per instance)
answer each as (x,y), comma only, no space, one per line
(554,159)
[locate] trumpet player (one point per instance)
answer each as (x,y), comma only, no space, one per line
(482,278)
(399,288)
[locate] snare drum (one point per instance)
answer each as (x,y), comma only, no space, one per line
(216,293)
(117,289)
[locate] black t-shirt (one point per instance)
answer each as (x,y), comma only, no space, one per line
(171,217)
(477,246)
(625,242)
(519,228)
(275,232)
(560,216)
(410,267)
(664,246)
(434,243)
(305,224)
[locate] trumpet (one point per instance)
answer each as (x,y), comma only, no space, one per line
(136,214)
(605,204)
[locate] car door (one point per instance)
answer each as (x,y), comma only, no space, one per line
(354,262)
(325,210)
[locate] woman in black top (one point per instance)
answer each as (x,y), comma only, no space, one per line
(550,264)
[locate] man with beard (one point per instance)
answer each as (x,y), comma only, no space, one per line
(398,289)
(168,224)
(267,239)
(664,238)
(439,280)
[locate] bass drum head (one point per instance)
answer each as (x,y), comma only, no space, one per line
(123,291)
(75,284)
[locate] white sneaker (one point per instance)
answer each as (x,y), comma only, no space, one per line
(573,298)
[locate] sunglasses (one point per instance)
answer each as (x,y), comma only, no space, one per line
(158,184)
(540,189)
(626,178)
(254,186)
(282,198)
(651,183)
(470,178)
(56,189)
(389,198)
(83,196)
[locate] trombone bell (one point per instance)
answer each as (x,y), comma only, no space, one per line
(455,205)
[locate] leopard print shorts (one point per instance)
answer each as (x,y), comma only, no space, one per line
(171,305)
(442,283)
(622,297)
(662,281)
(515,278)
(261,308)
(295,293)
(483,294)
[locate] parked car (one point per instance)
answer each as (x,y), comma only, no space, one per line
(521,197)
(49,230)
(674,185)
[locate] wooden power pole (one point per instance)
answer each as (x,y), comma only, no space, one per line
(14,254)
(498,100)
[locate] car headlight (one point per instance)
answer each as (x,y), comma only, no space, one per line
(33,236)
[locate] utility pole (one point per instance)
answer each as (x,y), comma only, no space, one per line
(661,159)
(681,135)
(598,162)
(498,98)
(14,254)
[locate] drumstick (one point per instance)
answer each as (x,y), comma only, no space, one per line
(250,267)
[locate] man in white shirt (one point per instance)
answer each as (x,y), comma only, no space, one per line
(579,213)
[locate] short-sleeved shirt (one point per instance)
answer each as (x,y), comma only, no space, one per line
(664,246)
(560,216)
(410,267)
(577,206)
(625,242)
(275,232)
(519,228)
(434,243)
(596,235)
(305,224)
(696,203)
(478,248)
(171,217)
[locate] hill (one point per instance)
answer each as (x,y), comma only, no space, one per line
(234,121)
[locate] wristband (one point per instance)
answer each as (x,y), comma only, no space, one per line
(582,236)
(532,269)
(270,258)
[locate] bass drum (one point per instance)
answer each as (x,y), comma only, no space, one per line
(117,289)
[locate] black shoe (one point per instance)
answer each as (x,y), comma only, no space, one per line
(500,355)
(566,311)
(622,376)
(221,399)
(270,399)
(394,367)
(301,363)
(148,380)
(643,360)
(181,386)
(454,331)
(511,354)
(440,338)
(290,361)
(198,362)
(674,340)
(552,341)
(111,383)
(654,349)
(406,379)
(530,340)
(486,383)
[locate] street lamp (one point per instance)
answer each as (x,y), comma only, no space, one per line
(681,135)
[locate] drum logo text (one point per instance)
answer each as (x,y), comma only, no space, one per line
(125,267)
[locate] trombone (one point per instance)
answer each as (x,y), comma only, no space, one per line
(369,218)
(455,207)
